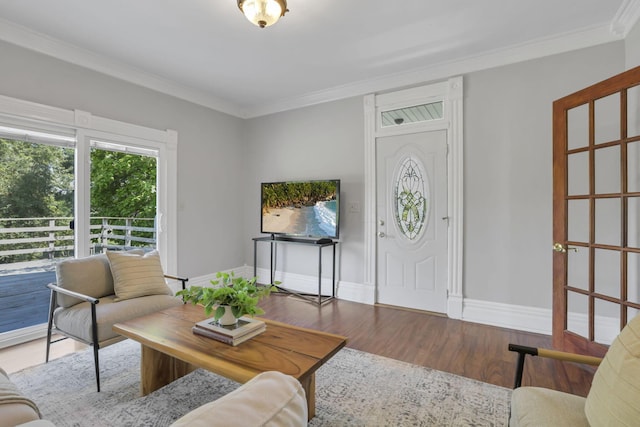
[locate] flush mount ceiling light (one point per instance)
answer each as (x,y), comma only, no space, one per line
(263,13)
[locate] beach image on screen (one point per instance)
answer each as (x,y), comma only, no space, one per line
(300,208)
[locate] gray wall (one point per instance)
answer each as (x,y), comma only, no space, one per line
(209,147)
(508,156)
(632,47)
(508,170)
(318,142)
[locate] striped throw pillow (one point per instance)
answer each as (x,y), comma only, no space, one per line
(137,275)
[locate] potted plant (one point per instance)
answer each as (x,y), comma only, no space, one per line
(234,296)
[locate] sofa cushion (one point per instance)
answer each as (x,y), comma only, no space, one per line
(15,408)
(615,391)
(37,423)
(89,276)
(560,409)
(137,275)
(76,320)
(270,399)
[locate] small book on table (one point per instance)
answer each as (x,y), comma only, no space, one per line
(244,329)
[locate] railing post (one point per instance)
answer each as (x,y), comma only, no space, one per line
(127,233)
(52,238)
(103,235)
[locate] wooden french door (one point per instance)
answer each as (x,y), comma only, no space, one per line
(596,213)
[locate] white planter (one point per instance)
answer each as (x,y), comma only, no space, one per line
(228,318)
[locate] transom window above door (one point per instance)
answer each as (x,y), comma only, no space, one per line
(412,114)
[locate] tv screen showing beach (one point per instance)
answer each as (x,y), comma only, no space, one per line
(307,208)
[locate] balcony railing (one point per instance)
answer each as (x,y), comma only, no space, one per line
(22,239)
(30,247)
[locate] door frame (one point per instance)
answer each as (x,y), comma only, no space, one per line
(451,93)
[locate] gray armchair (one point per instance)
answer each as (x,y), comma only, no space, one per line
(86,302)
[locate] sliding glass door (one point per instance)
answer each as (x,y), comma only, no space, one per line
(123,197)
(37,176)
(63,198)
(59,169)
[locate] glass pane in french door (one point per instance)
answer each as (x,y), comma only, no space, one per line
(36,210)
(123,198)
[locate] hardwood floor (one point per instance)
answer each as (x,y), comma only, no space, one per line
(463,348)
(468,349)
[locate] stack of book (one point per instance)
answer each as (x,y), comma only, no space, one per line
(244,329)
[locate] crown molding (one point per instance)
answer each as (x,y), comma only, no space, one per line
(29,39)
(626,17)
(517,53)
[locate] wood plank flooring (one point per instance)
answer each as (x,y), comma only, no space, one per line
(463,348)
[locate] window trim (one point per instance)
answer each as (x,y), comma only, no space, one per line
(19,113)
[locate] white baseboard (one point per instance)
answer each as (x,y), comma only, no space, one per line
(518,317)
(454,306)
(349,291)
(538,320)
(19,336)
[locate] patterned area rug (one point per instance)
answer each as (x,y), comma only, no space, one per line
(353,389)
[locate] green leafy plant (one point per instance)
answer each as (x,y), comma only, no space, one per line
(237,292)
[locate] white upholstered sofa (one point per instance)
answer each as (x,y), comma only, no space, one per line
(271,399)
(15,408)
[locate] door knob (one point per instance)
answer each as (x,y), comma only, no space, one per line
(381,234)
(559,247)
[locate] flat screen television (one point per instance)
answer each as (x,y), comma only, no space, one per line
(309,209)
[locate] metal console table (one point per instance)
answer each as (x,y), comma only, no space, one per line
(316,299)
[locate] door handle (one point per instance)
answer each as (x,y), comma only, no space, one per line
(381,234)
(559,247)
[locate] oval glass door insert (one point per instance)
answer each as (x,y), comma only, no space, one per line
(411,198)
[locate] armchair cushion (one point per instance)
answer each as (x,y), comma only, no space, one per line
(535,406)
(89,276)
(76,320)
(137,275)
(615,392)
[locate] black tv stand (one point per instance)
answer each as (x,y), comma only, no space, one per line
(319,243)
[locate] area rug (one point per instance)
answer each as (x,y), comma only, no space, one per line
(354,388)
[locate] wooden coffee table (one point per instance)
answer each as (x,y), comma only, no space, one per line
(170,350)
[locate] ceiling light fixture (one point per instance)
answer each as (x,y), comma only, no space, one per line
(263,13)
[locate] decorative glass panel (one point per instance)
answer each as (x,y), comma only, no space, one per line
(411,198)
(413,114)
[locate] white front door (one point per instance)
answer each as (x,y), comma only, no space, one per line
(412,220)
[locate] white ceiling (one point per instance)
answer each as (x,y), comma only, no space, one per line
(205,51)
